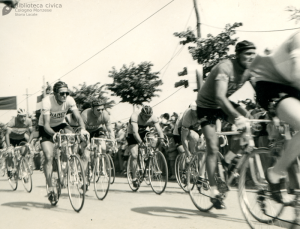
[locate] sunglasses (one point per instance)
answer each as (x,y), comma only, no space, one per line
(64,93)
(99,109)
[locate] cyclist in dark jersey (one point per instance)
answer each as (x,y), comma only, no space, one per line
(137,129)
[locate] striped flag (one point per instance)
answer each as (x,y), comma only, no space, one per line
(8,103)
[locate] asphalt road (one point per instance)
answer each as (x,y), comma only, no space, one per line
(122,208)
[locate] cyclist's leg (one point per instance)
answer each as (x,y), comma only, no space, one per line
(133,151)
(212,153)
(47,147)
(288,110)
(193,139)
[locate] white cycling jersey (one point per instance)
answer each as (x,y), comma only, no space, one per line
(57,112)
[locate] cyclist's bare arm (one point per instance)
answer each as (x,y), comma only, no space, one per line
(223,102)
(135,129)
(8,132)
(295,57)
(110,130)
(47,127)
(78,118)
(159,130)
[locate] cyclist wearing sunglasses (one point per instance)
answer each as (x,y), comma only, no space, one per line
(52,120)
(95,118)
(137,129)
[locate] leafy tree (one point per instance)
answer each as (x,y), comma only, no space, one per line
(295,13)
(211,50)
(135,84)
(85,94)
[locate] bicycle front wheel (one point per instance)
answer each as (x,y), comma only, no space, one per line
(158,172)
(76,183)
(13,180)
(102,176)
(112,168)
(25,173)
(253,191)
(181,172)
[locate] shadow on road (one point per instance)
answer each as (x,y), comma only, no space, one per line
(182,213)
(28,205)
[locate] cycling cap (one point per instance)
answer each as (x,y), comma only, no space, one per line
(59,85)
(193,106)
(21,111)
(243,45)
(147,110)
(98,103)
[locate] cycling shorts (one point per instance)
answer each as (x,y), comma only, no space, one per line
(177,138)
(15,142)
(131,140)
(269,94)
(46,137)
(209,116)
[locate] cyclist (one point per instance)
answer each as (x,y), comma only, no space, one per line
(213,103)
(137,129)
(279,72)
(94,118)
(18,130)
(51,121)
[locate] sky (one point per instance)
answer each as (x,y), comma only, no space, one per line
(83,39)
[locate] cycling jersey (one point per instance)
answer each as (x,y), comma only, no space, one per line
(189,121)
(57,112)
(142,125)
(92,122)
(18,128)
(277,67)
(229,71)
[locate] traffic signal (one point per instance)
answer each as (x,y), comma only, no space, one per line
(192,75)
(184,83)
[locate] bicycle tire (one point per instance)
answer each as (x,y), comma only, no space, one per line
(181,172)
(158,172)
(251,188)
(25,175)
(102,176)
(13,180)
(129,175)
(199,188)
(113,171)
(76,182)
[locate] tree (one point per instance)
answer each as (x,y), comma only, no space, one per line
(135,84)
(295,13)
(211,50)
(84,95)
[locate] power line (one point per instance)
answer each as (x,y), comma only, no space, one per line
(253,31)
(168,96)
(106,46)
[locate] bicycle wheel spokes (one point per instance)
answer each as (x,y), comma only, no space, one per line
(181,172)
(102,176)
(199,188)
(76,183)
(112,169)
(13,180)
(158,172)
(129,174)
(253,192)
(25,173)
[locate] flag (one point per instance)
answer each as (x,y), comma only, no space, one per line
(8,103)
(39,102)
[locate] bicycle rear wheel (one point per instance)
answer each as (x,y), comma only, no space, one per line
(112,168)
(254,193)
(25,173)
(76,183)
(102,176)
(181,171)
(158,172)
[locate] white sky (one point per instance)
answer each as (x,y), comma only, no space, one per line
(51,44)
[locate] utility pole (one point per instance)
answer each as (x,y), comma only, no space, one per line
(27,104)
(198,19)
